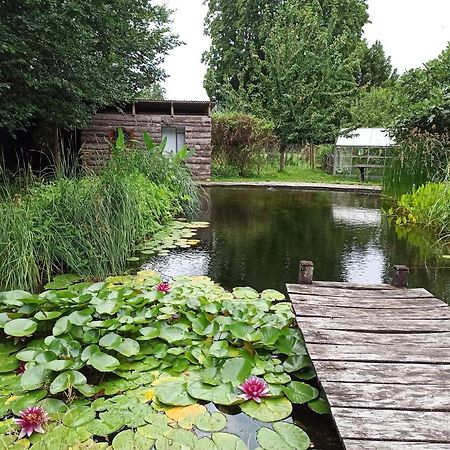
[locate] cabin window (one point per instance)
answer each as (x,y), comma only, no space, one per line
(176,139)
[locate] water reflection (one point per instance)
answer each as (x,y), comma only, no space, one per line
(257,238)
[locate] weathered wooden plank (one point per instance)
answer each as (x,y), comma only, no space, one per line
(379,424)
(398,373)
(377,353)
(342,285)
(416,397)
(358,293)
(345,302)
(354,444)
(380,325)
(342,337)
(308,310)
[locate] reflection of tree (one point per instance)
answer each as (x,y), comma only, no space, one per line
(258,236)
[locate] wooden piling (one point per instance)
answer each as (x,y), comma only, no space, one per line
(306,272)
(400,276)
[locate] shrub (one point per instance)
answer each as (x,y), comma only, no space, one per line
(90,224)
(239,143)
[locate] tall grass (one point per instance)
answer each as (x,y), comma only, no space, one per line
(90,223)
(421,159)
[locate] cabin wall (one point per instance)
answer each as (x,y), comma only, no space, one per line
(95,149)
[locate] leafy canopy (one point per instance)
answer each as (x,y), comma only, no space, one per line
(61,60)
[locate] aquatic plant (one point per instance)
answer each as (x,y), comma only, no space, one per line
(163,287)
(31,420)
(89,224)
(117,361)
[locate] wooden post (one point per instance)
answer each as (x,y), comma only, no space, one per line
(306,272)
(400,278)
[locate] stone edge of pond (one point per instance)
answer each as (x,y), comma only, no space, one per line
(356,188)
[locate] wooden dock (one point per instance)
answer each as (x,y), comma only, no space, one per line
(382,356)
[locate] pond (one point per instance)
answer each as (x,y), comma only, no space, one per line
(258,236)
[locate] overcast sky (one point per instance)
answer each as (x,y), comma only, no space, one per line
(412,32)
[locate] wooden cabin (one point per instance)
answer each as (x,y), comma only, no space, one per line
(181,122)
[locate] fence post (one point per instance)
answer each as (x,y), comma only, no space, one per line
(400,278)
(306,272)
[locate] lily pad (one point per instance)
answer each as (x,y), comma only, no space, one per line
(20,327)
(269,410)
(228,441)
(299,393)
(129,440)
(210,422)
(185,415)
(320,406)
(78,416)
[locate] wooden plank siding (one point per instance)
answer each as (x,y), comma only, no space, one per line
(382,356)
(95,149)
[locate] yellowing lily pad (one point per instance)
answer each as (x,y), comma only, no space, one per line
(185,415)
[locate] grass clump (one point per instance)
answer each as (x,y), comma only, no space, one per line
(89,224)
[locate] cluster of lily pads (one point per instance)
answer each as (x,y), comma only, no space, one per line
(135,363)
(177,234)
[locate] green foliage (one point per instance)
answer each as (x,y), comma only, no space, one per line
(100,372)
(373,108)
(61,60)
(421,158)
(376,68)
(89,225)
(240,142)
(423,104)
(300,57)
(427,207)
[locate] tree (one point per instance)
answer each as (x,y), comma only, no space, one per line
(59,61)
(373,108)
(309,69)
(239,30)
(423,99)
(376,67)
(153,92)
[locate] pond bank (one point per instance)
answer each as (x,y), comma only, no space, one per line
(356,188)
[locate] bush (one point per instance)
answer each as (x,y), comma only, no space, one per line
(239,143)
(90,224)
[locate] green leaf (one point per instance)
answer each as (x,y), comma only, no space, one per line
(8,364)
(224,394)
(228,441)
(320,406)
(173,392)
(299,393)
(269,410)
(62,382)
(129,440)
(294,363)
(26,400)
(279,378)
(62,281)
(210,422)
(293,435)
(103,362)
(245,293)
(33,378)
(80,318)
(270,440)
(78,416)
(59,364)
(61,326)
(20,327)
(219,349)
(236,370)
(172,334)
(271,294)
(242,331)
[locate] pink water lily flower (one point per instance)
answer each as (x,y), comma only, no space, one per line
(254,388)
(31,420)
(163,287)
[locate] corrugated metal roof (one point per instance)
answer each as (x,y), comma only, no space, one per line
(366,137)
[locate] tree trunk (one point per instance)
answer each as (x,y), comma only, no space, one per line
(282,157)
(56,151)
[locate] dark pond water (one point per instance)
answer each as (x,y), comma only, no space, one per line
(258,236)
